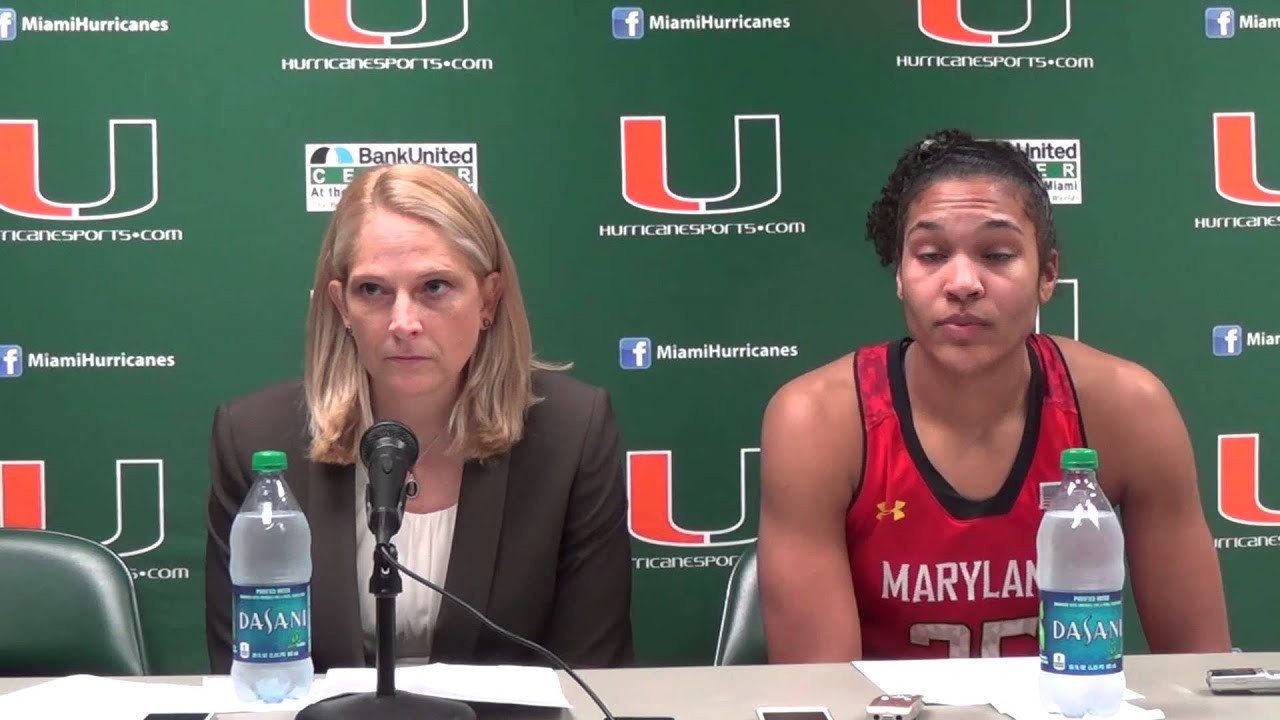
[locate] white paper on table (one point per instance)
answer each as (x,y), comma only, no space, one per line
(220,697)
(102,698)
(962,681)
(509,684)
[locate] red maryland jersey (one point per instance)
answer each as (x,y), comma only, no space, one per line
(937,574)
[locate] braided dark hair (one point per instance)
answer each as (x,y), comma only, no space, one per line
(954,154)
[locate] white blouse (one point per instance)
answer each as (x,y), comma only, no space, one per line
(422,545)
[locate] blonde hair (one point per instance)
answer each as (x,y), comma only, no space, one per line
(488,417)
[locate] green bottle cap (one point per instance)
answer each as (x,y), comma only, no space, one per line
(269,460)
(1079,459)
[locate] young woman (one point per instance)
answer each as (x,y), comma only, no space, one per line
(416,316)
(902,482)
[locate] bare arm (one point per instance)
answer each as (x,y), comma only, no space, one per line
(1173,565)
(806,589)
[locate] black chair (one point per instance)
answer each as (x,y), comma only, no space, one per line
(67,606)
(741,640)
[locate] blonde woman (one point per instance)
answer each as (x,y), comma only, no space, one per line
(416,316)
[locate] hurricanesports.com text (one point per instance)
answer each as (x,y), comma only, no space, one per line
(1014,62)
(702,228)
(386,63)
(1237,222)
(684,563)
(1247,542)
(174,573)
(89,235)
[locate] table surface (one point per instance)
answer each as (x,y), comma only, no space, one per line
(1172,683)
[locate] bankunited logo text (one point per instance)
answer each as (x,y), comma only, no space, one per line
(1059,165)
(331,167)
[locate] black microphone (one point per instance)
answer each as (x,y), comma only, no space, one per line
(388,450)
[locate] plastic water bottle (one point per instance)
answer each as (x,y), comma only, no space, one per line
(271,589)
(1080,571)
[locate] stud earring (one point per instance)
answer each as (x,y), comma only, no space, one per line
(485,323)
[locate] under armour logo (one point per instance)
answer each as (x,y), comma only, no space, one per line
(896,511)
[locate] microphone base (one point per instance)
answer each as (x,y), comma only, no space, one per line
(401,706)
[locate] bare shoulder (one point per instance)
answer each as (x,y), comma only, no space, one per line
(1103,380)
(1130,418)
(814,421)
(816,400)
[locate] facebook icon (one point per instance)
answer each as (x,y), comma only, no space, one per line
(1219,22)
(628,23)
(1228,340)
(8,24)
(10,361)
(635,353)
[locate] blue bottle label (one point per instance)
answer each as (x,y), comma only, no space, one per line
(271,623)
(1081,633)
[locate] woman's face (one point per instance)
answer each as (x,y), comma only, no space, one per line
(970,279)
(414,306)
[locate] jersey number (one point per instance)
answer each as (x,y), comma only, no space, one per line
(960,637)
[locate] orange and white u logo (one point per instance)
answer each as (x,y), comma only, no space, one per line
(139,505)
(650,514)
(22,494)
(1235,160)
(1239,484)
(757,167)
(331,21)
(134,172)
(1046,21)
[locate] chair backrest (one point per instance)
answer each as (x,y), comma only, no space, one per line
(741,640)
(67,606)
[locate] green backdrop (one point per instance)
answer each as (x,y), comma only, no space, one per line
(166,170)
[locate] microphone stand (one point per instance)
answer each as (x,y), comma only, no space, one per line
(385,586)
(386,703)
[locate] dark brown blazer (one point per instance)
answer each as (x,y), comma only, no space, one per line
(540,544)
